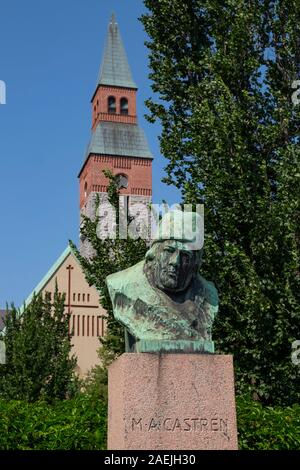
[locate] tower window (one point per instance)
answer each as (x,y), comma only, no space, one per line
(85,189)
(122,181)
(124,106)
(112,105)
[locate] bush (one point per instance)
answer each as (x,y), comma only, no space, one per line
(267,428)
(78,424)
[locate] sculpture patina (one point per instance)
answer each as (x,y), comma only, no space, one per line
(163,302)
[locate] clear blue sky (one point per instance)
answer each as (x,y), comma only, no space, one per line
(50,53)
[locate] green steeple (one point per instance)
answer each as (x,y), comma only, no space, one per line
(115,70)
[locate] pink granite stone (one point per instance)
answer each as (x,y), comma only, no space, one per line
(172,401)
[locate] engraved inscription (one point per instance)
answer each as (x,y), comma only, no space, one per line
(176,424)
(136,423)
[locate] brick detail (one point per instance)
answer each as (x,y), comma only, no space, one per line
(138,171)
(143,192)
(115,118)
(99,188)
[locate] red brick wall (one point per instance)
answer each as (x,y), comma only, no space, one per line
(100,105)
(138,171)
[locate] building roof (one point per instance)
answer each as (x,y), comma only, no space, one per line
(45,279)
(48,276)
(115,70)
(119,139)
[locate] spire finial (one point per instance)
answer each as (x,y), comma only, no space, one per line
(113,18)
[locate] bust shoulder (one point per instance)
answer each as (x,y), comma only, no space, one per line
(122,278)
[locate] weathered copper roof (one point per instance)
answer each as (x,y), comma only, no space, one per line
(115,70)
(119,139)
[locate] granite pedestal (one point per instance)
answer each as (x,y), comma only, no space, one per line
(172,401)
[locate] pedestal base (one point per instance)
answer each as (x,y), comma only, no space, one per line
(171,401)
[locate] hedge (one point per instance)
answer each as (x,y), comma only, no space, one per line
(66,425)
(267,428)
(80,424)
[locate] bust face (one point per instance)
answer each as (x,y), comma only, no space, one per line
(174,266)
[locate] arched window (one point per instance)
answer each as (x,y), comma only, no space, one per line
(112,105)
(122,181)
(124,105)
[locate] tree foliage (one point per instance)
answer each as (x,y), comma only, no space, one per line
(38,345)
(222,74)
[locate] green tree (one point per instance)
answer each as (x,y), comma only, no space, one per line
(222,76)
(38,345)
(110,256)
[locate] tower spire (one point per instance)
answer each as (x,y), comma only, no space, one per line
(115,69)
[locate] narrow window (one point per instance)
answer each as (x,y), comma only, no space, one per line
(93,322)
(73,325)
(83,324)
(112,105)
(78,325)
(98,326)
(78,297)
(88,297)
(102,326)
(74,297)
(83,297)
(85,189)
(124,106)
(88,325)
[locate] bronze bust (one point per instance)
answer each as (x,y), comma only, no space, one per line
(163,302)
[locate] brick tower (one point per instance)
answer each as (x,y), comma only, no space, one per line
(117,142)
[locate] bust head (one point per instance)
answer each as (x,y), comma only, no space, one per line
(173,259)
(170,265)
